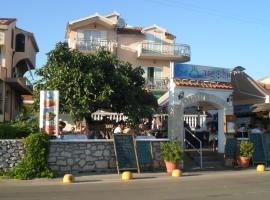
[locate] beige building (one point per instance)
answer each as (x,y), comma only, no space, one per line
(18,50)
(152,48)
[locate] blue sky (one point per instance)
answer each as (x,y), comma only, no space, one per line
(220,33)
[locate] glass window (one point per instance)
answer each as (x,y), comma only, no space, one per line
(20,42)
(91,35)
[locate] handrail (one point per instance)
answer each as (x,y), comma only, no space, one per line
(200,142)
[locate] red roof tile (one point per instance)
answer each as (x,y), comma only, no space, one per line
(6,21)
(203,84)
(266,86)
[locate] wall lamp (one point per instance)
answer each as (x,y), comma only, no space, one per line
(181,95)
(230,98)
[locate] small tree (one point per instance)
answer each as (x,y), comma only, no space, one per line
(88,83)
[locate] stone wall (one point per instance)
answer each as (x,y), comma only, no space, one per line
(11,152)
(74,156)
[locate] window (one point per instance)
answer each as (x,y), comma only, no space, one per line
(20,42)
(91,35)
(12,38)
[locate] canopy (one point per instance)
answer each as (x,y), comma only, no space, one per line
(262,107)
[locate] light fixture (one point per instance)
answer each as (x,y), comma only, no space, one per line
(181,95)
(230,98)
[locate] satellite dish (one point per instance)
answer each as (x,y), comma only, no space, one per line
(121,23)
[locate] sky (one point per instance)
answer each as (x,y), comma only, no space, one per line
(222,34)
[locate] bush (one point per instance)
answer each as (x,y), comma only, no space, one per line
(171,151)
(34,164)
(7,131)
(246,149)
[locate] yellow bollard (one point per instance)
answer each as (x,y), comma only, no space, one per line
(68,178)
(127,175)
(176,173)
(260,168)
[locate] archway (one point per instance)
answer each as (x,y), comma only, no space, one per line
(176,114)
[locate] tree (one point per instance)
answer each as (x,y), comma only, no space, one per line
(87,83)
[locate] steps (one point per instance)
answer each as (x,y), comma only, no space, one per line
(210,160)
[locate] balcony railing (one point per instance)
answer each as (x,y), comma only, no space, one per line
(169,51)
(94,45)
(157,84)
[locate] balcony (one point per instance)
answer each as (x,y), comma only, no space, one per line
(91,46)
(157,84)
(22,85)
(170,52)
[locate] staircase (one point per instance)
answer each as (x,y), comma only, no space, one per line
(210,160)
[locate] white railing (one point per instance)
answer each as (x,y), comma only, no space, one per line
(165,49)
(94,45)
(193,120)
(157,84)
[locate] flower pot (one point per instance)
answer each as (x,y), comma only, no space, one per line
(243,161)
(170,166)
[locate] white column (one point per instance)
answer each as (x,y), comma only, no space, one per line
(176,123)
(221,135)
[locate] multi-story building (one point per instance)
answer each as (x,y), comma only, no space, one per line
(18,50)
(152,48)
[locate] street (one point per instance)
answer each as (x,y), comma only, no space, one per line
(246,184)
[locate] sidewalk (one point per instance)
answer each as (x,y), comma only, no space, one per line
(149,177)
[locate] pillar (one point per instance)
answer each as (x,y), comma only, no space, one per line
(221,135)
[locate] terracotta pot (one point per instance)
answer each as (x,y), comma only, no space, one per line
(170,166)
(243,161)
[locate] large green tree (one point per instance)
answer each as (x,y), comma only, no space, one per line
(91,82)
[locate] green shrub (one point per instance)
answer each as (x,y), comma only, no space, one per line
(34,164)
(246,149)
(7,131)
(171,151)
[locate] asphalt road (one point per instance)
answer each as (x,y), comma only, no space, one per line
(216,185)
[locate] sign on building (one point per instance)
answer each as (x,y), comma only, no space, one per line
(49,111)
(203,73)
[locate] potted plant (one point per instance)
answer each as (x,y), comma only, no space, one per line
(172,154)
(246,150)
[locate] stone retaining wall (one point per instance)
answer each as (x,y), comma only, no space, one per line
(11,152)
(74,156)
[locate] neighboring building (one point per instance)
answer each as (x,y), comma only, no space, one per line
(152,48)
(265,82)
(18,50)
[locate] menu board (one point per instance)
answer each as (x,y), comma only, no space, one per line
(144,150)
(125,153)
(231,148)
(266,144)
(258,155)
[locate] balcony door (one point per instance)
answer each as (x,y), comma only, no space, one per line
(153,75)
(92,39)
(154,41)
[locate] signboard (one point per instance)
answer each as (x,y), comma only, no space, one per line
(258,155)
(125,152)
(144,151)
(49,111)
(203,73)
(231,148)
(266,144)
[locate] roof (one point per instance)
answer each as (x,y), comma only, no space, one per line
(7,21)
(130,30)
(203,84)
(266,86)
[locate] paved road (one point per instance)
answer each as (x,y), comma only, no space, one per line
(235,185)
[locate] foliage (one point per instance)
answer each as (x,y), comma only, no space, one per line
(246,149)
(88,83)
(34,164)
(171,151)
(24,124)
(7,131)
